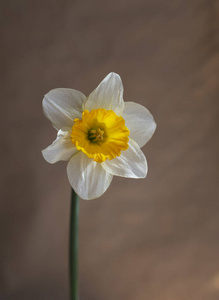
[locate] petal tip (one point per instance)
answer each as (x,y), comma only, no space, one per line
(46,157)
(112,75)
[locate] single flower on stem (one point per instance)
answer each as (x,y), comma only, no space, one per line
(100,135)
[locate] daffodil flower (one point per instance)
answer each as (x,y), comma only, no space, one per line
(100,135)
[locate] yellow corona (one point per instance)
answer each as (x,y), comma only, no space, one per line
(100,134)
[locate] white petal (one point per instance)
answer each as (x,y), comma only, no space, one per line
(139,121)
(87,177)
(61,149)
(131,163)
(62,106)
(108,95)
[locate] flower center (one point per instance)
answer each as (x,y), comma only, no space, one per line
(95,135)
(100,134)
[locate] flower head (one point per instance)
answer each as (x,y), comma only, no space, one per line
(100,135)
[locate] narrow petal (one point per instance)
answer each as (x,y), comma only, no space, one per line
(108,95)
(61,149)
(62,106)
(131,163)
(87,177)
(139,121)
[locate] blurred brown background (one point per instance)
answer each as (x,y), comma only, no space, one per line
(156,238)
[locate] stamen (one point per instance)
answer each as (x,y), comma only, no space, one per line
(95,135)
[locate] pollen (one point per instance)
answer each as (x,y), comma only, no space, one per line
(95,135)
(100,134)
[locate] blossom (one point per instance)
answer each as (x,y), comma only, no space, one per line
(100,135)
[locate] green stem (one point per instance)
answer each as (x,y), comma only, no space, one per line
(73,249)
